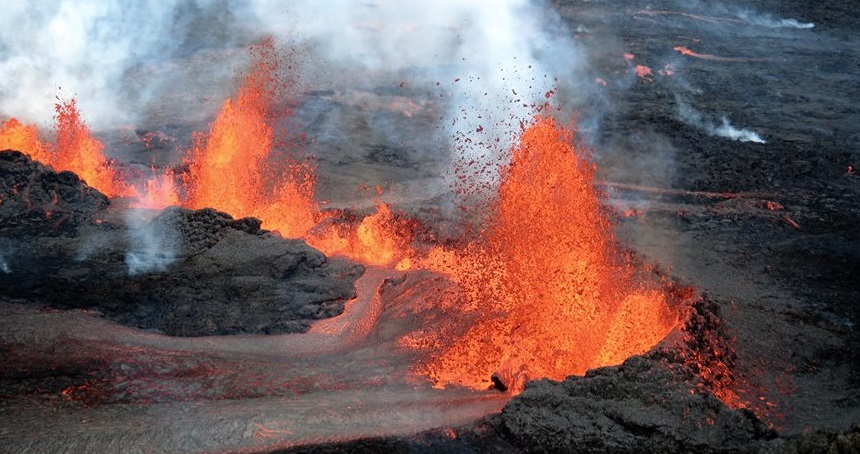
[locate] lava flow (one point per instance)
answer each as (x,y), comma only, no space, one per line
(382,238)
(545,291)
(551,293)
(690,53)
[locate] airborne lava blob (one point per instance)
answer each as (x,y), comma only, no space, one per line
(553,294)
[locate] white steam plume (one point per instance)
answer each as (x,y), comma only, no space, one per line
(766,20)
(151,249)
(503,54)
(725,129)
(86,48)
(488,62)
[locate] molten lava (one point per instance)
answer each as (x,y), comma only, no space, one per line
(551,294)
(690,53)
(545,290)
(25,138)
(228,168)
(643,72)
(380,239)
(159,192)
(75,150)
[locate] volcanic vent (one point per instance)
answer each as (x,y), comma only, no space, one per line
(540,289)
(373,246)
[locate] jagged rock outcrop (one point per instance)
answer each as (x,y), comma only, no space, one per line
(179,271)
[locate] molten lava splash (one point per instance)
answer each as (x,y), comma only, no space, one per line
(75,150)
(643,72)
(25,138)
(380,239)
(159,192)
(683,50)
(550,292)
(228,167)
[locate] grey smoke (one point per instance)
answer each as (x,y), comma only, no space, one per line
(489,63)
(727,130)
(493,60)
(87,49)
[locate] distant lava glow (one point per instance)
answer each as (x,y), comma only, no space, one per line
(690,53)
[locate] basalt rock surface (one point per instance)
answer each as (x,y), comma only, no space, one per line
(662,402)
(64,245)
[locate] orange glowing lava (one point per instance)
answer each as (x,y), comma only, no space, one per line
(228,168)
(159,192)
(643,72)
(25,138)
(379,239)
(550,292)
(75,150)
(690,53)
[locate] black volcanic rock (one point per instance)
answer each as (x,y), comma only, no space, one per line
(656,403)
(178,271)
(35,201)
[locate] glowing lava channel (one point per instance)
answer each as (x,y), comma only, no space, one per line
(690,53)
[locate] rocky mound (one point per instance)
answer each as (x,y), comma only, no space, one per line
(662,402)
(181,272)
(37,202)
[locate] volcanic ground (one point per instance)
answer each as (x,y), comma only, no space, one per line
(243,341)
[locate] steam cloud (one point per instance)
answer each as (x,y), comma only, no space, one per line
(509,50)
(766,20)
(486,63)
(151,248)
(724,129)
(88,49)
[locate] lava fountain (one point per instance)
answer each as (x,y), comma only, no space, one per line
(228,167)
(75,150)
(552,293)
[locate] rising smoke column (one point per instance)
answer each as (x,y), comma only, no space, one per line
(91,49)
(487,63)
